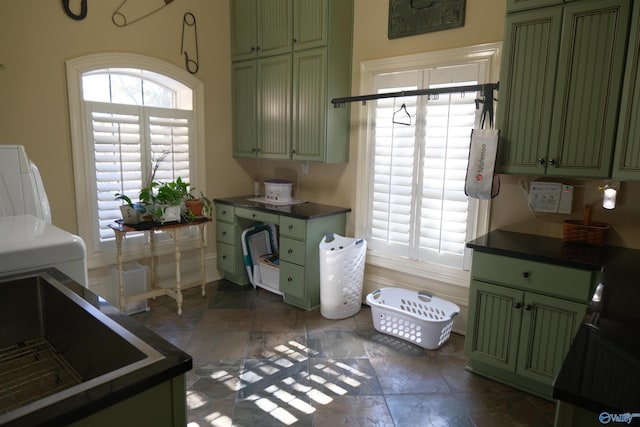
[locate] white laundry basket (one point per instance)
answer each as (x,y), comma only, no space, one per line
(416,317)
(341,275)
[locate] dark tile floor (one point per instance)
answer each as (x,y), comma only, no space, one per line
(261,362)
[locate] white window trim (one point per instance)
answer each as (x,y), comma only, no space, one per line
(75,69)
(489,54)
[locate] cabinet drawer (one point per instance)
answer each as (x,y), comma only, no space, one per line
(292,279)
(257,215)
(226,232)
(540,277)
(224,213)
(292,251)
(293,227)
(227,258)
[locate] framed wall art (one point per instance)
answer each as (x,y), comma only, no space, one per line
(411,17)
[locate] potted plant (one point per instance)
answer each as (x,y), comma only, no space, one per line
(197,205)
(131,212)
(167,200)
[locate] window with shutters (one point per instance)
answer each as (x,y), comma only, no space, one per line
(137,122)
(416,153)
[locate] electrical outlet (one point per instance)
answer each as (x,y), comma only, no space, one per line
(305,167)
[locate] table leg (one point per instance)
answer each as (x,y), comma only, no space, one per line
(175,235)
(121,302)
(152,247)
(203,275)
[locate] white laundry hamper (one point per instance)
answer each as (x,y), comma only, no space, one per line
(341,275)
(417,317)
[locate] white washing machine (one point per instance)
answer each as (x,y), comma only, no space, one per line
(28,240)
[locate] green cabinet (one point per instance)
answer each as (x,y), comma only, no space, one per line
(299,239)
(523,316)
(626,163)
(163,405)
(261,108)
(281,104)
(516,5)
(260,28)
(561,80)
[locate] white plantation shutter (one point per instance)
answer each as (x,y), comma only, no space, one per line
(444,206)
(125,140)
(393,175)
(169,131)
(418,208)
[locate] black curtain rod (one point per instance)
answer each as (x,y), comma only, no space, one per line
(485,87)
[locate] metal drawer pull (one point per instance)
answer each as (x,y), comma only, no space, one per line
(525,274)
(290,279)
(290,227)
(517,306)
(528,307)
(290,251)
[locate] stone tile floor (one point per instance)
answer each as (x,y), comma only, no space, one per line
(261,362)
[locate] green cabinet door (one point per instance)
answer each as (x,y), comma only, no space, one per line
(275,26)
(527,74)
(587,94)
(260,28)
(244,118)
(274,107)
(494,323)
(310,104)
(626,164)
(310,24)
(244,31)
(548,328)
(561,79)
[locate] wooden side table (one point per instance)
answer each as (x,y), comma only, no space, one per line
(175,231)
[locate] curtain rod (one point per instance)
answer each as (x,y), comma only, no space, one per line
(485,87)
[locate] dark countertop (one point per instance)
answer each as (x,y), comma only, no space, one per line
(601,371)
(306,210)
(175,363)
(542,249)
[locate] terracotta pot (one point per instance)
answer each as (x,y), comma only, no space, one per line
(195,206)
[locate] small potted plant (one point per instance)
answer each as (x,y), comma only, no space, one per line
(131,212)
(168,200)
(197,205)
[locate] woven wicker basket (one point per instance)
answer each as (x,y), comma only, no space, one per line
(585,231)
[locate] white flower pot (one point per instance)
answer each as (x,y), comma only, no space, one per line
(129,214)
(171,213)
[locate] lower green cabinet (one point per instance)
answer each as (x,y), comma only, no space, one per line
(516,334)
(299,240)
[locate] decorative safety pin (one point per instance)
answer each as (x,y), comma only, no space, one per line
(191,65)
(135,11)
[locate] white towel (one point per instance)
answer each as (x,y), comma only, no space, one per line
(482,182)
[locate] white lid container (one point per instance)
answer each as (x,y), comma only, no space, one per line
(278,190)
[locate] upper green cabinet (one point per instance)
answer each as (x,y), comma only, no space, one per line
(286,98)
(260,28)
(310,24)
(626,163)
(516,5)
(561,81)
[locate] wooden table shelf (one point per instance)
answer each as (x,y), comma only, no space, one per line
(175,231)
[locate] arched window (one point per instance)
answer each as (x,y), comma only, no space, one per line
(134,120)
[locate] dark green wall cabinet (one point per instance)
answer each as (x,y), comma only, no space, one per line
(626,163)
(283,84)
(523,316)
(561,83)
